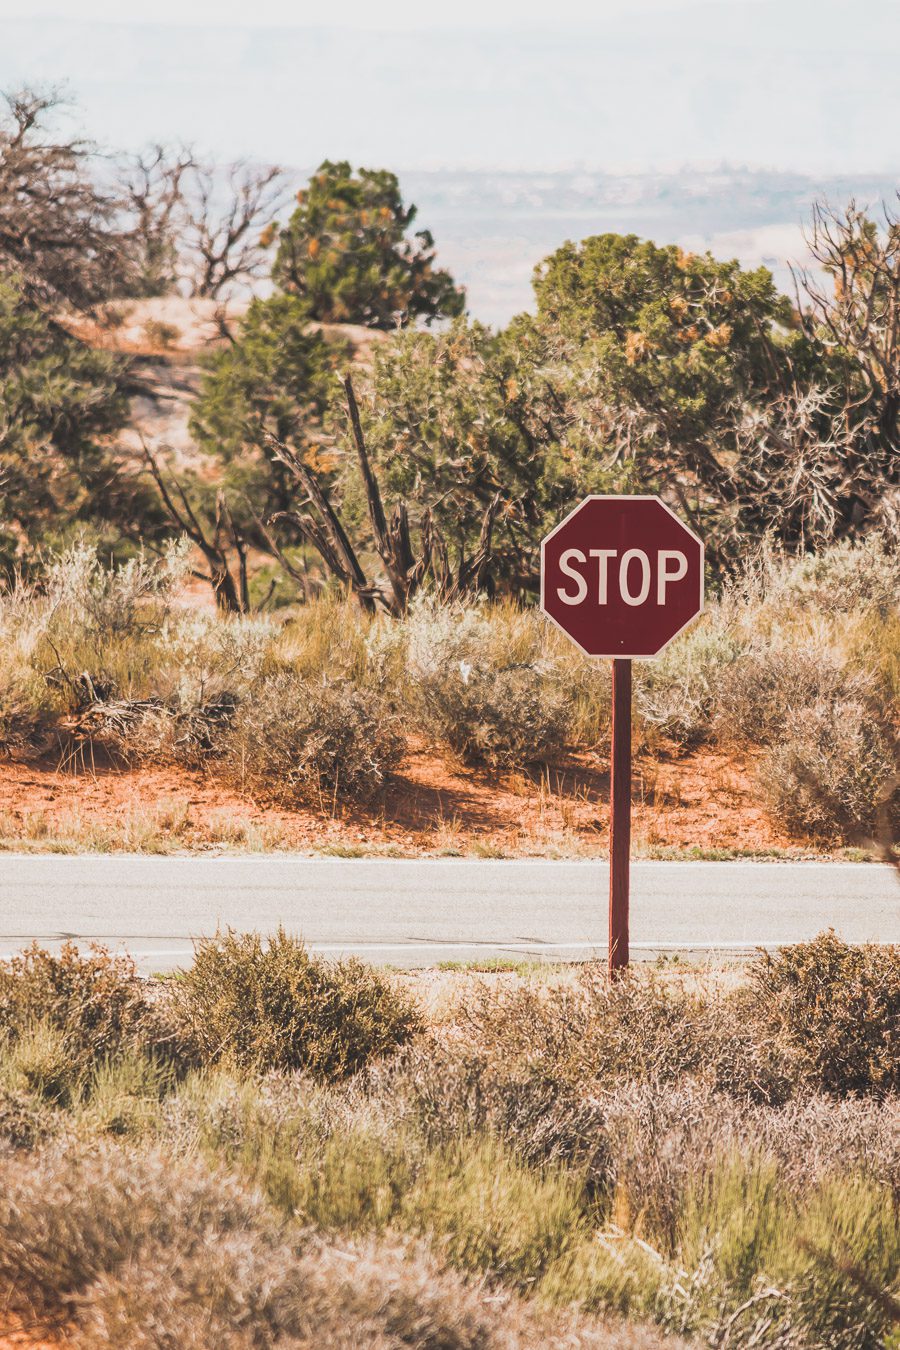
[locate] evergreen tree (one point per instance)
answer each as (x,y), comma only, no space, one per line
(347,253)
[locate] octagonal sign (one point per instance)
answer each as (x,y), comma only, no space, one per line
(622,576)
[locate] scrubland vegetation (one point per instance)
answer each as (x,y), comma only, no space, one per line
(795,659)
(369,525)
(276,1151)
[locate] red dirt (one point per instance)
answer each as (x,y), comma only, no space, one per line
(706,799)
(13,1337)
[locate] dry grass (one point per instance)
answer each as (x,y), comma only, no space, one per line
(316,708)
(715,1157)
(132,1250)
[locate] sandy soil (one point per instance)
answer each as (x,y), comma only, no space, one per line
(702,801)
(173,325)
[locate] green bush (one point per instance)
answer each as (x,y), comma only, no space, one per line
(270,1005)
(294,741)
(824,775)
(92,1006)
(838,1007)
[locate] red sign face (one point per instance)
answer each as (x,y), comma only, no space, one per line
(621,576)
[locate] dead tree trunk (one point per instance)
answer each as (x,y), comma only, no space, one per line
(232,597)
(405,570)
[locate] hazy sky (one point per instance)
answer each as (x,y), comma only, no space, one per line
(390,14)
(514,84)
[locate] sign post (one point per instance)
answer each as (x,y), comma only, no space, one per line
(621,576)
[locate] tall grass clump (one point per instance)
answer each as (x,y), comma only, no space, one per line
(755,1267)
(271,1005)
(491,1215)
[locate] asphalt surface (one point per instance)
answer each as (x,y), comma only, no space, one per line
(417,913)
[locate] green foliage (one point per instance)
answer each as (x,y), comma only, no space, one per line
(680,335)
(455,417)
(346,252)
(271,1005)
(89,1006)
(275,377)
(838,1007)
(60,402)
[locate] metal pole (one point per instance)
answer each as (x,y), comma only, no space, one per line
(619,816)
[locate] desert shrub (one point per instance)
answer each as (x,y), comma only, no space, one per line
(502,718)
(850,575)
(450,1090)
(271,1005)
(93,1003)
(662,1137)
(763,689)
(25,1120)
(824,775)
(109,601)
(484,682)
(27,702)
(300,742)
(838,1007)
(68,1218)
(161,334)
(141,1250)
(639,1028)
(678,693)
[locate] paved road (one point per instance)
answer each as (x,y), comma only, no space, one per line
(415,913)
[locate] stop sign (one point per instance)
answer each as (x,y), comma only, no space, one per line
(621,576)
